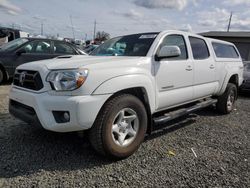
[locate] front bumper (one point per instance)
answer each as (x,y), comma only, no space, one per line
(24,113)
(37,108)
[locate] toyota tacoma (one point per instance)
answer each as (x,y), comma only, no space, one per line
(128,86)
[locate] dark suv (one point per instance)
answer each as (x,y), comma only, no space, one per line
(246,83)
(25,50)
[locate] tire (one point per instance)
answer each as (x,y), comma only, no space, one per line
(1,76)
(120,127)
(226,102)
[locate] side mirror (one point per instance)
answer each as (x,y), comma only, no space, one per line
(167,52)
(20,52)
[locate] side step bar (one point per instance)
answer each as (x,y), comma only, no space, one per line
(183,111)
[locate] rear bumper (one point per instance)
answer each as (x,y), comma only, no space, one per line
(38,109)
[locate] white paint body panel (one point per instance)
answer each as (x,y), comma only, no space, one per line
(173,91)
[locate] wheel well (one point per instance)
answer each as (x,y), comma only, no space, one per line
(5,75)
(234,80)
(141,94)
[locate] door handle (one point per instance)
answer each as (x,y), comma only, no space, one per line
(189,68)
(212,67)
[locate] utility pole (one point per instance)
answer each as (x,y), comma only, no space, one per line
(230,20)
(73,30)
(42,28)
(94,30)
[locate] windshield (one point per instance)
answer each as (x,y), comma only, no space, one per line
(13,44)
(131,45)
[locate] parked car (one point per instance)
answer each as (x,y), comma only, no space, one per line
(25,50)
(246,83)
(129,85)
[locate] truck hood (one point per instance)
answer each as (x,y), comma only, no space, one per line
(73,62)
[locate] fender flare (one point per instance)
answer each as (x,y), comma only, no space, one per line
(123,82)
(226,81)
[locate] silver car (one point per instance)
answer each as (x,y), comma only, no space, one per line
(246,82)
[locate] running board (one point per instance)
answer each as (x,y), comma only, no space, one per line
(183,111)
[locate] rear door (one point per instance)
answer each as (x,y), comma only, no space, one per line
(204,68)
(34,50)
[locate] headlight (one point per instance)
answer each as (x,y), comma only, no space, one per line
(67,80)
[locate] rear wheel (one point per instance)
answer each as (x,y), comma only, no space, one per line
(226,102)
(120,127)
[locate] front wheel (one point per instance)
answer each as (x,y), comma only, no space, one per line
(226,102)
(120,127)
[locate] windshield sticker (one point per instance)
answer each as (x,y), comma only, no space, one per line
(147,36)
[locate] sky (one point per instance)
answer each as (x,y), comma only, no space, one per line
(67,18)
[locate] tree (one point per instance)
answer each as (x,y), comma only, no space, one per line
(102,36)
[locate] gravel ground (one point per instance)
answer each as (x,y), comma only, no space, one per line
(33,157)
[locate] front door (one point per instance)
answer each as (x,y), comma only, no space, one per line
(174,76)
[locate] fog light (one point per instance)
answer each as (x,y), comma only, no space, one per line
(61,116)
(66,116)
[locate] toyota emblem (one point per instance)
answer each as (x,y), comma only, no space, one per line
(22,77)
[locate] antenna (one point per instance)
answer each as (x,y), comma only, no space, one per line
(230,20)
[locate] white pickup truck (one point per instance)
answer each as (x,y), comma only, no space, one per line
(127,86)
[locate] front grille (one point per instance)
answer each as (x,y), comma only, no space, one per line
(28,79)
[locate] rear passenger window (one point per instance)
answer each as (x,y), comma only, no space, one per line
(224,50)
(199,48)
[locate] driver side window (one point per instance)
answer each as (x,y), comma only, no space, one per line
(176,40)
(28,47)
